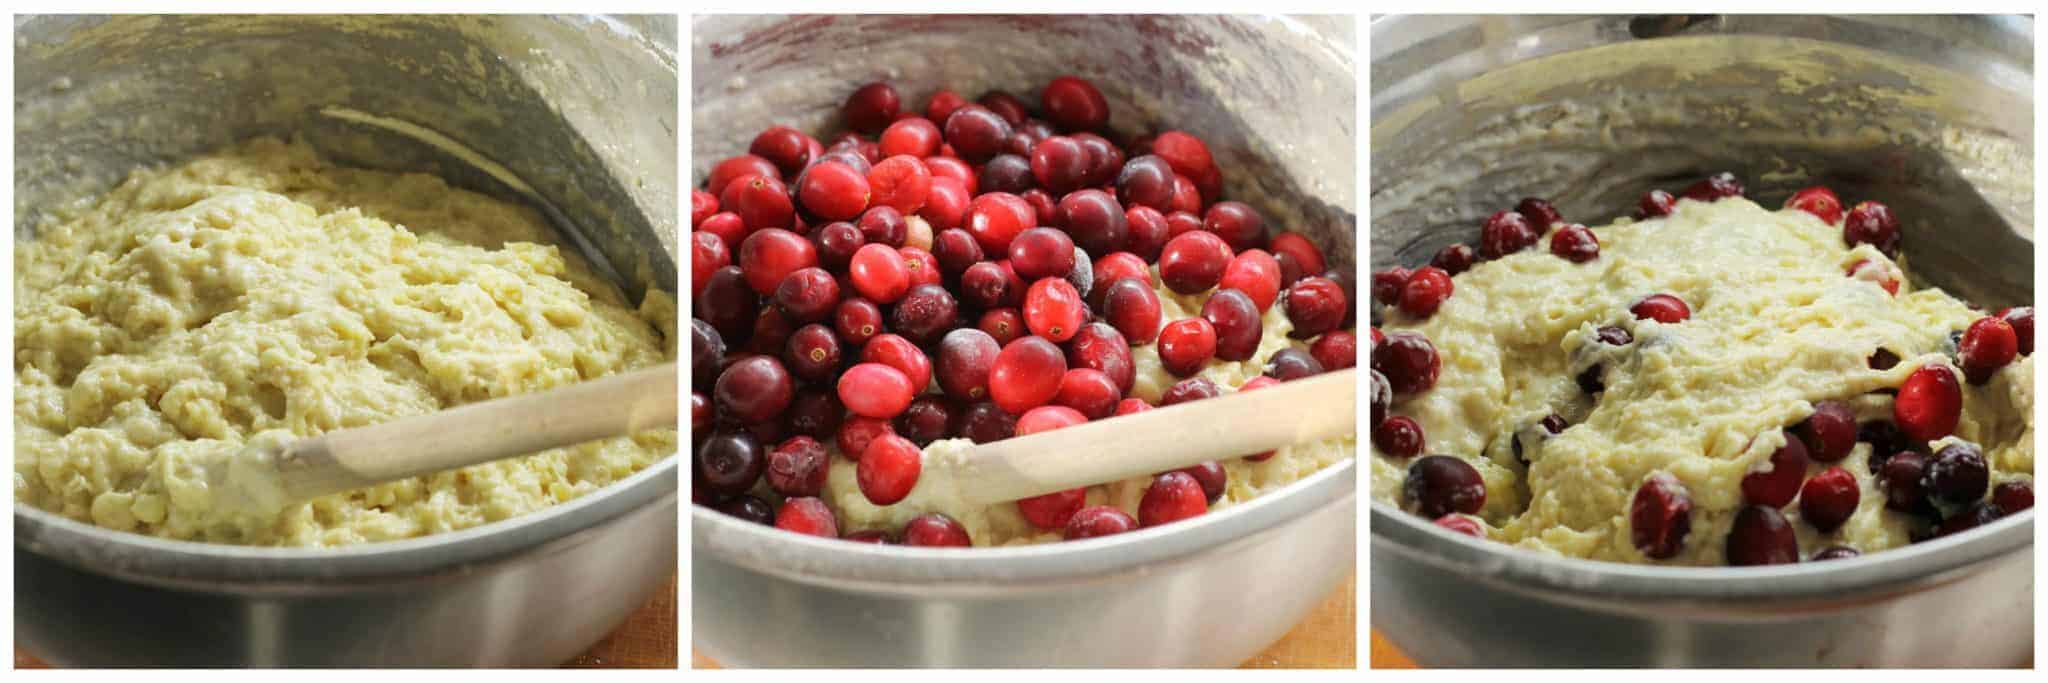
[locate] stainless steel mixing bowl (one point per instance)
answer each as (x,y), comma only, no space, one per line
(582,109)
(1274,99)
(1931,114)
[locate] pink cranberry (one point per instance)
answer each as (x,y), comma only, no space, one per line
(857,320)
(2022,320)
(1761,536)
(875,390)
(1409,362)
(807,516)
(1105,160)
(1399,436)
(949,167)
(760,202)
(879,273)
(1506,232)
(888,469)
(1060,164)
(1575,243)
(1439,485)
(1663,308)
(1718,186)
(1184,345)
(871,108)
(1193,262)
(1830,432)
(735,168)
(1099,520)
(1181,222)
(1173,496)
(1656,204)
(900,182)
(1387,285)
(1987,346)
(1053,309)
(1777,486)
(1828,499)
(1335,350)
(1187,153)
(1872,223)
(1190,389)
(1425,291)
(935,530)
(1929,403)
(1026,374)
(1819,201)
(1660,515)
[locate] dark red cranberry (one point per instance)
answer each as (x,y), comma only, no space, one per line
(976,133)
(1187,153)
(1099,520)
(956,250)
(1382,396)
(1133,309)
(1387,285)
(1026,374)
(1506,232)
(1958,474)
(1901,477)
(1656,204)
(928,419)
(1439,485)
(1213,478)
(1830,432)
(1146,181)
(1663,308)
(1007,173)
(749,508)
(734,168)
(1237,223)
(1718,186)
(1053,309)
(707,353)
(808,294)
(888,469)
(900,182)
(852,152)
(1399,436)
(1059,164)
(1761,536)
(1182,222)
(1290,364)
(1540,212)
(1236,319)
(1100,347)
(1297,248)
(1042,253)
(1872,223)
(1976,515)
(812,353)
(1074,104)
(1044,208)
(797,467)
(729,463)
(1409,362)
(807,516)
(875,390)
(754,389)
(837,241)
(984,285)
(857,320)
(1105,159)
(857,431)
(771,331)
(1316,305)
(871,108)
(1988,345)
(1929,404)
(1839,552)
(815,413)
(1148,231)
(1009,106)
(1884,439)
(1335,350)
(1828,499)
(1819,201)
(2013,496)
(925,313)
(702,418)
(985,422)
(1173,496)
(1777,486)
(1575,243)
(1454,259)
(1097,223)
(935,530)
(965,357)
(1005,324)
(1883,359)
(1186,344)
(1425,291)
(2021,318)
(1190,389)
(1660,516)
(1193,262)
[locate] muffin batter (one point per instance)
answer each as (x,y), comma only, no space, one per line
(262,293)
(1002,524)
(1776,327)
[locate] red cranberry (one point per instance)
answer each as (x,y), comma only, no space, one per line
(702,205)
(1237,223)
(729,463)
(772,329)
(1213,478)
(1540,212)
(1987,346)
(1173,496)
(1148,231)
(1026,374)
(812,353)
(1100,347)
(1193,262)
(984,285)
(1316,305)
(1382,396)
(1290,364)
(749,508)
(1007,173)
(1190,389)
(1296,247)
(928,419)
(1121,265)
(1461,524)
(1146,181)
(851,151)
(1575,243)
(1255,273)
(857,320)
(1976,515)
(879,273)
(1060,164)
(1132,405)
(1005,324)
(875,390)
(807,516)
(1830,432)
(949,167)
(946,205)
(1074,104)
(1819,201)
(1718,186)
(2022,320)
(1929,403)
(1761,536)
(2013,496)
(1387,285)
(1053,309)
(1042,253)
(1099,520)
(996,218)
(1185,197)
(1048,418)
(871,108)
(1656,204)
(769,255)
(734,168)
(900,182)
(760,202)
(1399,436)
(1095,220)
(900,353)
(837,242)
(728,304)
(1236,319)
(1777,486)
(701,419)
(1439,485)
(1506,232)
(1458,258)
(1660,516)
(815,413)
(1133,309)
(857,431)
(1187,153)
(788,148)
(985,422)
(753,389)
(917,137)
(727,226)
(1184,345)
(925,313)
(884,225)
(1873,224)
(1409,362)
(1009,106)
(1425,291)
(1335,350)
(797,467)
(1958,474)
(965,356)
(935,530)
(707,255)
(1053,510)
(1828,499)
(1088,391)
(1182,222)
(1663,308)
(888,469)
(1901,477)
(976,133)
(808,294)
(942,104)
(957,251)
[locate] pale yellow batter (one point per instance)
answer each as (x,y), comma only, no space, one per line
(261,293)
(1776,326)
(1002,524)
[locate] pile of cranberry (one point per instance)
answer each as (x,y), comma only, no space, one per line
(1944,488)
(1005,256)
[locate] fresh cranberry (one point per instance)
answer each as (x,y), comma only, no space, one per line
(1777,486)
(976,133)
(1718,186)
(772,329)
(935,530)
(1097,223)
(1148,231)
(928,419)
(879,273)
(807,516)
(1335,350)
(857,320)
(812,353)
(1958,474)
(1290,364)
(1828,499)
(1575,243)
(871,108)
(1439,485)
(728,303)
(1099,520)
(1042,253)
(1173,496)
(949,167)
(1186,197)
(1660,516)
(884,225)
(2013,496)
(1236,320)
(1506,232)
(1190,389)
(942,104)
(1053,309)
(701,416)
(1425,291)
(788,148)
(1540,212)
(956,251)
(1100,347)
(1131,405)
(900,182)
(1656,204)
(1663,308)
(900,353)
(1458,258)
(1830,432)
(917,137)
(1382,396)
(1182,222)
(1987,346)
(1193,262)
(769,255)
(1052,510)
(1005,324)
(1409,362)
(702,205)
(1819,201)
(1047,418)
(837,242)
(1074,104)
(1026,374)
(749,508)
(1060,164)
(1255,273)
(727,226)
(985,422)
(888,469)
(1089,392)
(815,413)
(1761,536)
(1009,106)
(729,463)
(875,390)
(1184,345)
(1105,159)
(1187,153)
(2022,320)
(1872,223)
(753,389)
(965,357)
(1146,181)
(996,218)
(1929,403)
(857,431)
(925,313)
(734,168)
(1237,223)
(1316,305)
(1902,478)
(946,205)
(760,202)
(1296,247)
(808,294)
(853,152)
(1133,309)
(1121,265)
(707,255)
(1007,173)
(797,467)
(1399,436)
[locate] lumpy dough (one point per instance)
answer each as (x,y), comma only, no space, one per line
(1002,524)
(262,293)
(1776,327)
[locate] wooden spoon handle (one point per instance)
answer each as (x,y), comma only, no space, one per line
(1140,444)
(616,405)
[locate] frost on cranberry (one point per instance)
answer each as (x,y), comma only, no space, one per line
(1504,233)
(1872,223)
(1398,436)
